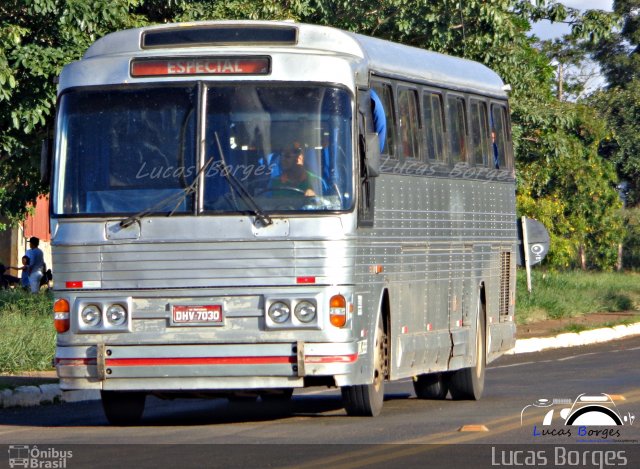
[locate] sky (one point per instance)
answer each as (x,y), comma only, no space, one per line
(546,30)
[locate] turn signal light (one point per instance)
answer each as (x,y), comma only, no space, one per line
(338,310)
(61,315)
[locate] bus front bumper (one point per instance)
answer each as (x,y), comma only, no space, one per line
(214,366)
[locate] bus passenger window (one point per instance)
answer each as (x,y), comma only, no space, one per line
(480,133)
(409,123)
(457,128)
(499,136)
(385,94)
(434,128)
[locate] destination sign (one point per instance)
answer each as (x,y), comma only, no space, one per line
(200,66)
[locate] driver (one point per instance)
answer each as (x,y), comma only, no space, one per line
(293,174)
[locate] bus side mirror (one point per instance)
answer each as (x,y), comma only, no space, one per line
(372,155)
(45,161)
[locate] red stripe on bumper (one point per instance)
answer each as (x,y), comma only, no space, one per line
(169,361)
(199,361)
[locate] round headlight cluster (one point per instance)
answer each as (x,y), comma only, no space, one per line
(305,311)
(91,315)
(279,312)
(116,315)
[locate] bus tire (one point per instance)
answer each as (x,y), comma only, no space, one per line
(431,386)
(123,408)
(367,399)
(468,383)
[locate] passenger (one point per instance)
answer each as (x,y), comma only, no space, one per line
(294,175)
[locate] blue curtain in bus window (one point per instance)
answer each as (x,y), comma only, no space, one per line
(379,118)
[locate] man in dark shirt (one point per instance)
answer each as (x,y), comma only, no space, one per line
(294,175)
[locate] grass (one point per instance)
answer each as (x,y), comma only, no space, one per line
(558,295)
(27,335)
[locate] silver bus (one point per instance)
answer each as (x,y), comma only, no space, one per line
(244,208)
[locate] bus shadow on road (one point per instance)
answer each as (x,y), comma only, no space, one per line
(184,412)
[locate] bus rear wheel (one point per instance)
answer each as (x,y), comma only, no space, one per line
(367,399)
(431,386)
(468,383)
(123,408)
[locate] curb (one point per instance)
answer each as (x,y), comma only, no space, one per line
(30,396)
(575,339)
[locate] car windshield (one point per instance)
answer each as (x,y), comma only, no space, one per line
(124,151)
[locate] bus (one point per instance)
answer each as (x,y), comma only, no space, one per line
(244,208)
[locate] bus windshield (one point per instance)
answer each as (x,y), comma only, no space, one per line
(130,150)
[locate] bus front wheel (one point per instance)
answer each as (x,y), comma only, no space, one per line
(367,399)
(123,407)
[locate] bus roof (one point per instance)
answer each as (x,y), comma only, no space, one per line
(380,56)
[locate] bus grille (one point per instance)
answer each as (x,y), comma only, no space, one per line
(505,281)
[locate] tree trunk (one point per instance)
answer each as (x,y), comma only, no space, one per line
(619,261)
(560,81)
(582,254)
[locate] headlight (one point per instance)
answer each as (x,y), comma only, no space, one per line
(116,315)
(91,315)
(305,311)
(279,312)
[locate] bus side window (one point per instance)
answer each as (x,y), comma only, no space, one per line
(434,126)
(409,121)
(500,136)
(480,136)
(457,128)
(385,93)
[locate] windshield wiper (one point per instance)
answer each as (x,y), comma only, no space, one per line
(236,185)
(179,197)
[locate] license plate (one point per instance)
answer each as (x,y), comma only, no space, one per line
(186,315)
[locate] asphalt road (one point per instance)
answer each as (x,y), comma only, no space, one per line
(315,431)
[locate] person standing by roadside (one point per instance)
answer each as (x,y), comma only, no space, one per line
(36,264)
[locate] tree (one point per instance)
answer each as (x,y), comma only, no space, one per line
(619,53)
(37,37)
(621,109)
(619,58)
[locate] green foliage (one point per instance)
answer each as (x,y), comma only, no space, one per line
(568,187)
(620,107)
(631,248)
(27,335)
